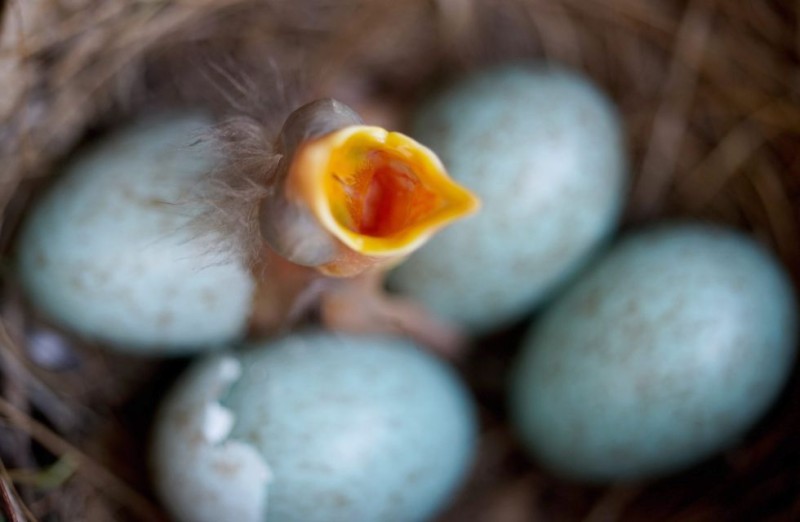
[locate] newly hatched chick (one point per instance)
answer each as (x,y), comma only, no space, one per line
(339,203)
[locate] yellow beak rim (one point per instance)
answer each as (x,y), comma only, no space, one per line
(381,193)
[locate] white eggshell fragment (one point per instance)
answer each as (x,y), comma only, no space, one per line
(338,429)
(665,352)
(205,475)
(543,149)
(109,253)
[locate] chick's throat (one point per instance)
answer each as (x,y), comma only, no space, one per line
(380,193)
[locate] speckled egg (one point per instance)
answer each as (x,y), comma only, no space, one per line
(543,149)
(109,251)
(314,427)
(665,352)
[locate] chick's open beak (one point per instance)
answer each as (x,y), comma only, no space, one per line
(380,193)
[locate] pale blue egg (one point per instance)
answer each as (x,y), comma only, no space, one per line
(315,427)
(109,252)
(664,353)
(543,149)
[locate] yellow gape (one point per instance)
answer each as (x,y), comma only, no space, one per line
(380,193)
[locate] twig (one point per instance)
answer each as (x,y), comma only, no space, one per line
(709,177)
(559,34)
(10,508)
(612,504)
(671,119)
(95,473)
(39,393)
(14,508)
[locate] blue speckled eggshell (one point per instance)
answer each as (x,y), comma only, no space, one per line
(110,251)
(666,352)
(350,428)
(353,428)
(543,150)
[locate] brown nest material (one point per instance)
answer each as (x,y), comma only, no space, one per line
(710,93)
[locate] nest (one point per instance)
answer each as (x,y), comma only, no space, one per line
(710,95)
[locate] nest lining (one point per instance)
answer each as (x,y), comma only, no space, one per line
(709,94)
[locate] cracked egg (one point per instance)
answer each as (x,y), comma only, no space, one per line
(314,427)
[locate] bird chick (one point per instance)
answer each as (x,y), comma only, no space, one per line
(331,204)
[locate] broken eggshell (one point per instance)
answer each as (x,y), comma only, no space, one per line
(543,149)
(109,251)
(663,353)
(314,427)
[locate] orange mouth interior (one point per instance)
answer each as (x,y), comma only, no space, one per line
(383,198)
(381,193)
